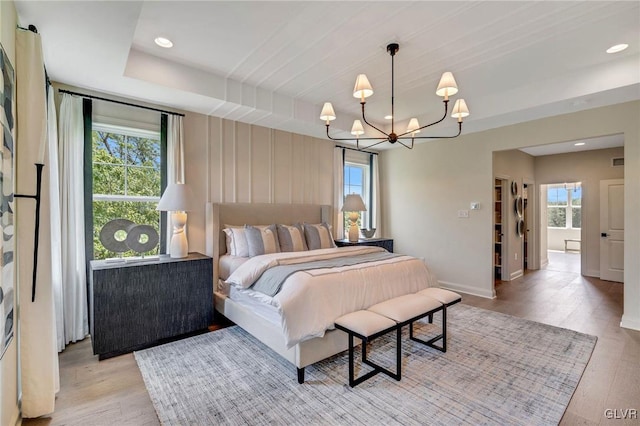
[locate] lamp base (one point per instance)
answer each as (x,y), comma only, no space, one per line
(179,247)
(354,233)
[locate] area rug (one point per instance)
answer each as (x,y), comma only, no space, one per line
(498,369)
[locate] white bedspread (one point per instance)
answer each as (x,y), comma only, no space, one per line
(311,301)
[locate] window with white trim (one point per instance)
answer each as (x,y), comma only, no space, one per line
(357,181)
(564,203)
(126,179)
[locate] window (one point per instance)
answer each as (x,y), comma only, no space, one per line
(356,181)
(563,206)
(126,180)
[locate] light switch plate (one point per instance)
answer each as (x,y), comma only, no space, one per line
(475,206)
(463,214)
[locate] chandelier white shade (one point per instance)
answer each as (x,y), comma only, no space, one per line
(460,110)
(447,86)
(414,126)
(327,113)
(357,128)
(363,89)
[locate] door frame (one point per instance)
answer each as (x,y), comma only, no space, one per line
(531,215)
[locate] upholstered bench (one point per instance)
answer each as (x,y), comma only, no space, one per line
(367,325)
(412,307)
(447,298)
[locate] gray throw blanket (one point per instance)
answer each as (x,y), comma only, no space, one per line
(271,280)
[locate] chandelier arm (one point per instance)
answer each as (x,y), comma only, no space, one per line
(369,124)
(367,147)
(442,137)
(446,103)
(405,145)
(340,139)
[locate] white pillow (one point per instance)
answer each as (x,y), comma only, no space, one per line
(236,241)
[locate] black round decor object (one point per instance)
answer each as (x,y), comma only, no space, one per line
(137,243)
(514,187)
(108,235)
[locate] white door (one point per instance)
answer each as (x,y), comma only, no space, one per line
(612,230)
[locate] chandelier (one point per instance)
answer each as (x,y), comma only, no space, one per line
(447,87)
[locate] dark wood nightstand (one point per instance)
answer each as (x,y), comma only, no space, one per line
(134,305)
(385,243)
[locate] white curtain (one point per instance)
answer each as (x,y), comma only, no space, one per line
(338,192)
(74,283)
(36,321)
(376,221)
(175,149)
(175,161)
(56,233)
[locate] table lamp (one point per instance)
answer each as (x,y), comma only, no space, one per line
(178,199)
(354,205)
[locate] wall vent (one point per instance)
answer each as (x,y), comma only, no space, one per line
(617,162)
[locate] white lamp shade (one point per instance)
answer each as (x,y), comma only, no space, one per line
(460,109)
(362,88)
(353,203)
(447,86)
(327,113)
(357,128)
(177,197)
(413,126)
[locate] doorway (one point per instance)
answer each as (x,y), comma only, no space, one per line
(562,208)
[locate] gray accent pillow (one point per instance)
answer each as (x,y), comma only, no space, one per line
(291,238)
(262,240)
(318,236)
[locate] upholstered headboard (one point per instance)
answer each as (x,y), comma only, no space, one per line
(220,214)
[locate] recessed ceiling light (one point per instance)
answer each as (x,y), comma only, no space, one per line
(163,42)
(388,117)
(617,48)
(579,143)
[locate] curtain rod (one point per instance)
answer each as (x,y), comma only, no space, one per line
(119,102)
(359,150)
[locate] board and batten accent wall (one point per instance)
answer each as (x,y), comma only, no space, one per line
(233,162)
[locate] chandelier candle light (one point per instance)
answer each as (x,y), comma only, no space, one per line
(447,87)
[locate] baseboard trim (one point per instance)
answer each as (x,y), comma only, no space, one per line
(595,273)
(488,294)
(630,323)
(516,274)
(544,262)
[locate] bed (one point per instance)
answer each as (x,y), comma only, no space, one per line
(291,322)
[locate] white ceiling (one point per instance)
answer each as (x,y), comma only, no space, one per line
(275,63)
(603,142)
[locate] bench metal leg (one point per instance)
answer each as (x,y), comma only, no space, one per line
(353,381)
(431,342)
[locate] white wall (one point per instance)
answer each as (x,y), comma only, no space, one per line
(423,188)
(556,237)
(228,161)
(9,411)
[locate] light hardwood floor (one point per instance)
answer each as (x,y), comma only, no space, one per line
(112,392)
